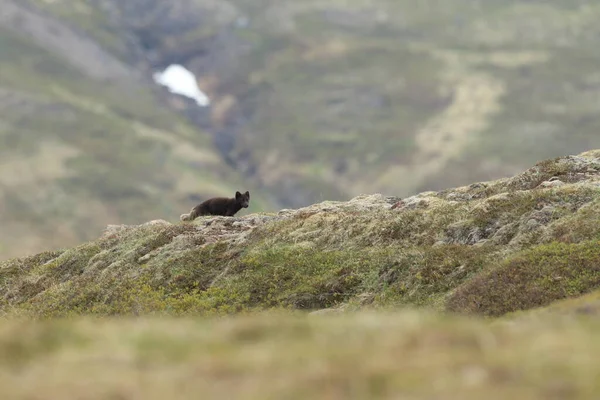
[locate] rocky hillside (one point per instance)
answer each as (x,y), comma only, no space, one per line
(489,248)
(311,101)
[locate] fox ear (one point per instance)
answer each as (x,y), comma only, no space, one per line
(247,193)
(238,194)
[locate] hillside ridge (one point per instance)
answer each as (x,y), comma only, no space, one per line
(489,248)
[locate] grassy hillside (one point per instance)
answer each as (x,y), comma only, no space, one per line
(358,299)
(490,248)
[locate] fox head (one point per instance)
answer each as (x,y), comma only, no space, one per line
(242,199)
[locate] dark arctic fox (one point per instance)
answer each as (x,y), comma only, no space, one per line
(219,206)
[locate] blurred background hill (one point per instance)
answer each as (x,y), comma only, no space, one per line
(309,100)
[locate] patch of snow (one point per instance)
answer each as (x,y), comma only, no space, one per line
(180,80)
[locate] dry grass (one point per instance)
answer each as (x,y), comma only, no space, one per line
(359,356)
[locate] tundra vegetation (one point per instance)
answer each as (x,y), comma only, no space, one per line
(490,289)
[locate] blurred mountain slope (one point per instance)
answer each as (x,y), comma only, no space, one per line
(398,97)
(311,100)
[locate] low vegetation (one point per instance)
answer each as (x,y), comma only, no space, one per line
(532,278)
(357,356)
(486,249)
(489,290)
